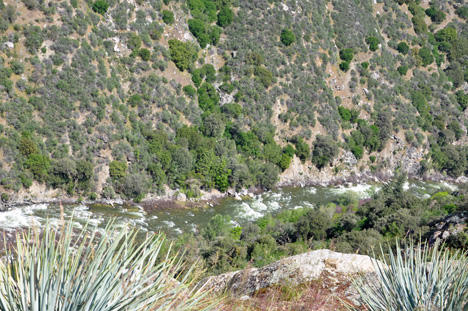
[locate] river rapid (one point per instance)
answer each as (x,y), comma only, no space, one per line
(177,221)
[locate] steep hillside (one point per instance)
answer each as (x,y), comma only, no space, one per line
(129,98)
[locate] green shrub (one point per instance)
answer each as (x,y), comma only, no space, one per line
(347,55)
(168,17)
(402,70)
(344,66)
(462,11)
(100,7)
(183,54)
(287,37)
(373,43)
(225,17)
(17,67)
(117,169)
(190,91)
(145,54)
(403,48)
(324,151)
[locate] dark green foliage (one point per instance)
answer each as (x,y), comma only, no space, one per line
(17,67)
(402,70)
(462,99)
(373,43)
(448,34)
(287,37)
(462,11)
(225,17)
(347,55)
(117,169)
(183,54)
(345,113)
(313,225)
(324,151)
(403,48)
(190,91)
(39,165)
(208,97)
(27,146)
(344,66)
(264,75)
(436,15)
(100,7)
(426,56)
(145,54)
(302,148)
(135,100)
(168,17)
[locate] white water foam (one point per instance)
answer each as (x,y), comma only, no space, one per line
(17,218)
(247,212)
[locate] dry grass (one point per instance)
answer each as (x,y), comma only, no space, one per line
(325,294)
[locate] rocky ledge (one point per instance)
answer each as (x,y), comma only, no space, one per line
(294,271)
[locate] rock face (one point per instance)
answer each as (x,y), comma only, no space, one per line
(451,225)
(291,271)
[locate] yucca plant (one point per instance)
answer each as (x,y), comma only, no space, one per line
(115,270)
(416,278)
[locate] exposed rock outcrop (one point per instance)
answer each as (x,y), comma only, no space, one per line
(451,225)
(292,271)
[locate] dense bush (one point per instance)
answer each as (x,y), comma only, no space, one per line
(100,7)
(287,37)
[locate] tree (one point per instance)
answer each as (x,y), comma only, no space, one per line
(436,15)
(213,126)
(313,225)
(302,148)
(347,55)
(402,70)
(268,175)
(135,100)
(448,34)
(208,97)
(403,48)
(168,17)
(373,43)
(183,54)
(344,66)
(462,11)
(225,17)
(325,150)
(145,54)
(287,37)
(265,76)
(27,146)
(39,165)
(426,56)
(100,7)
(117,169)
(221,175)
(134,42)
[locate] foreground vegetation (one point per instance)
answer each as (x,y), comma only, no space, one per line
(67,269)
(417,278)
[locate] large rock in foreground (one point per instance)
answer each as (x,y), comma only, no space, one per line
(291,271)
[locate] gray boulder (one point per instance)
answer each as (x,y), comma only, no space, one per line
(291,271)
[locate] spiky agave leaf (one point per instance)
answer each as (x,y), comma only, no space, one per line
(85,271)
(417,278)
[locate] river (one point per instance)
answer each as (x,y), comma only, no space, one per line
(178,221)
